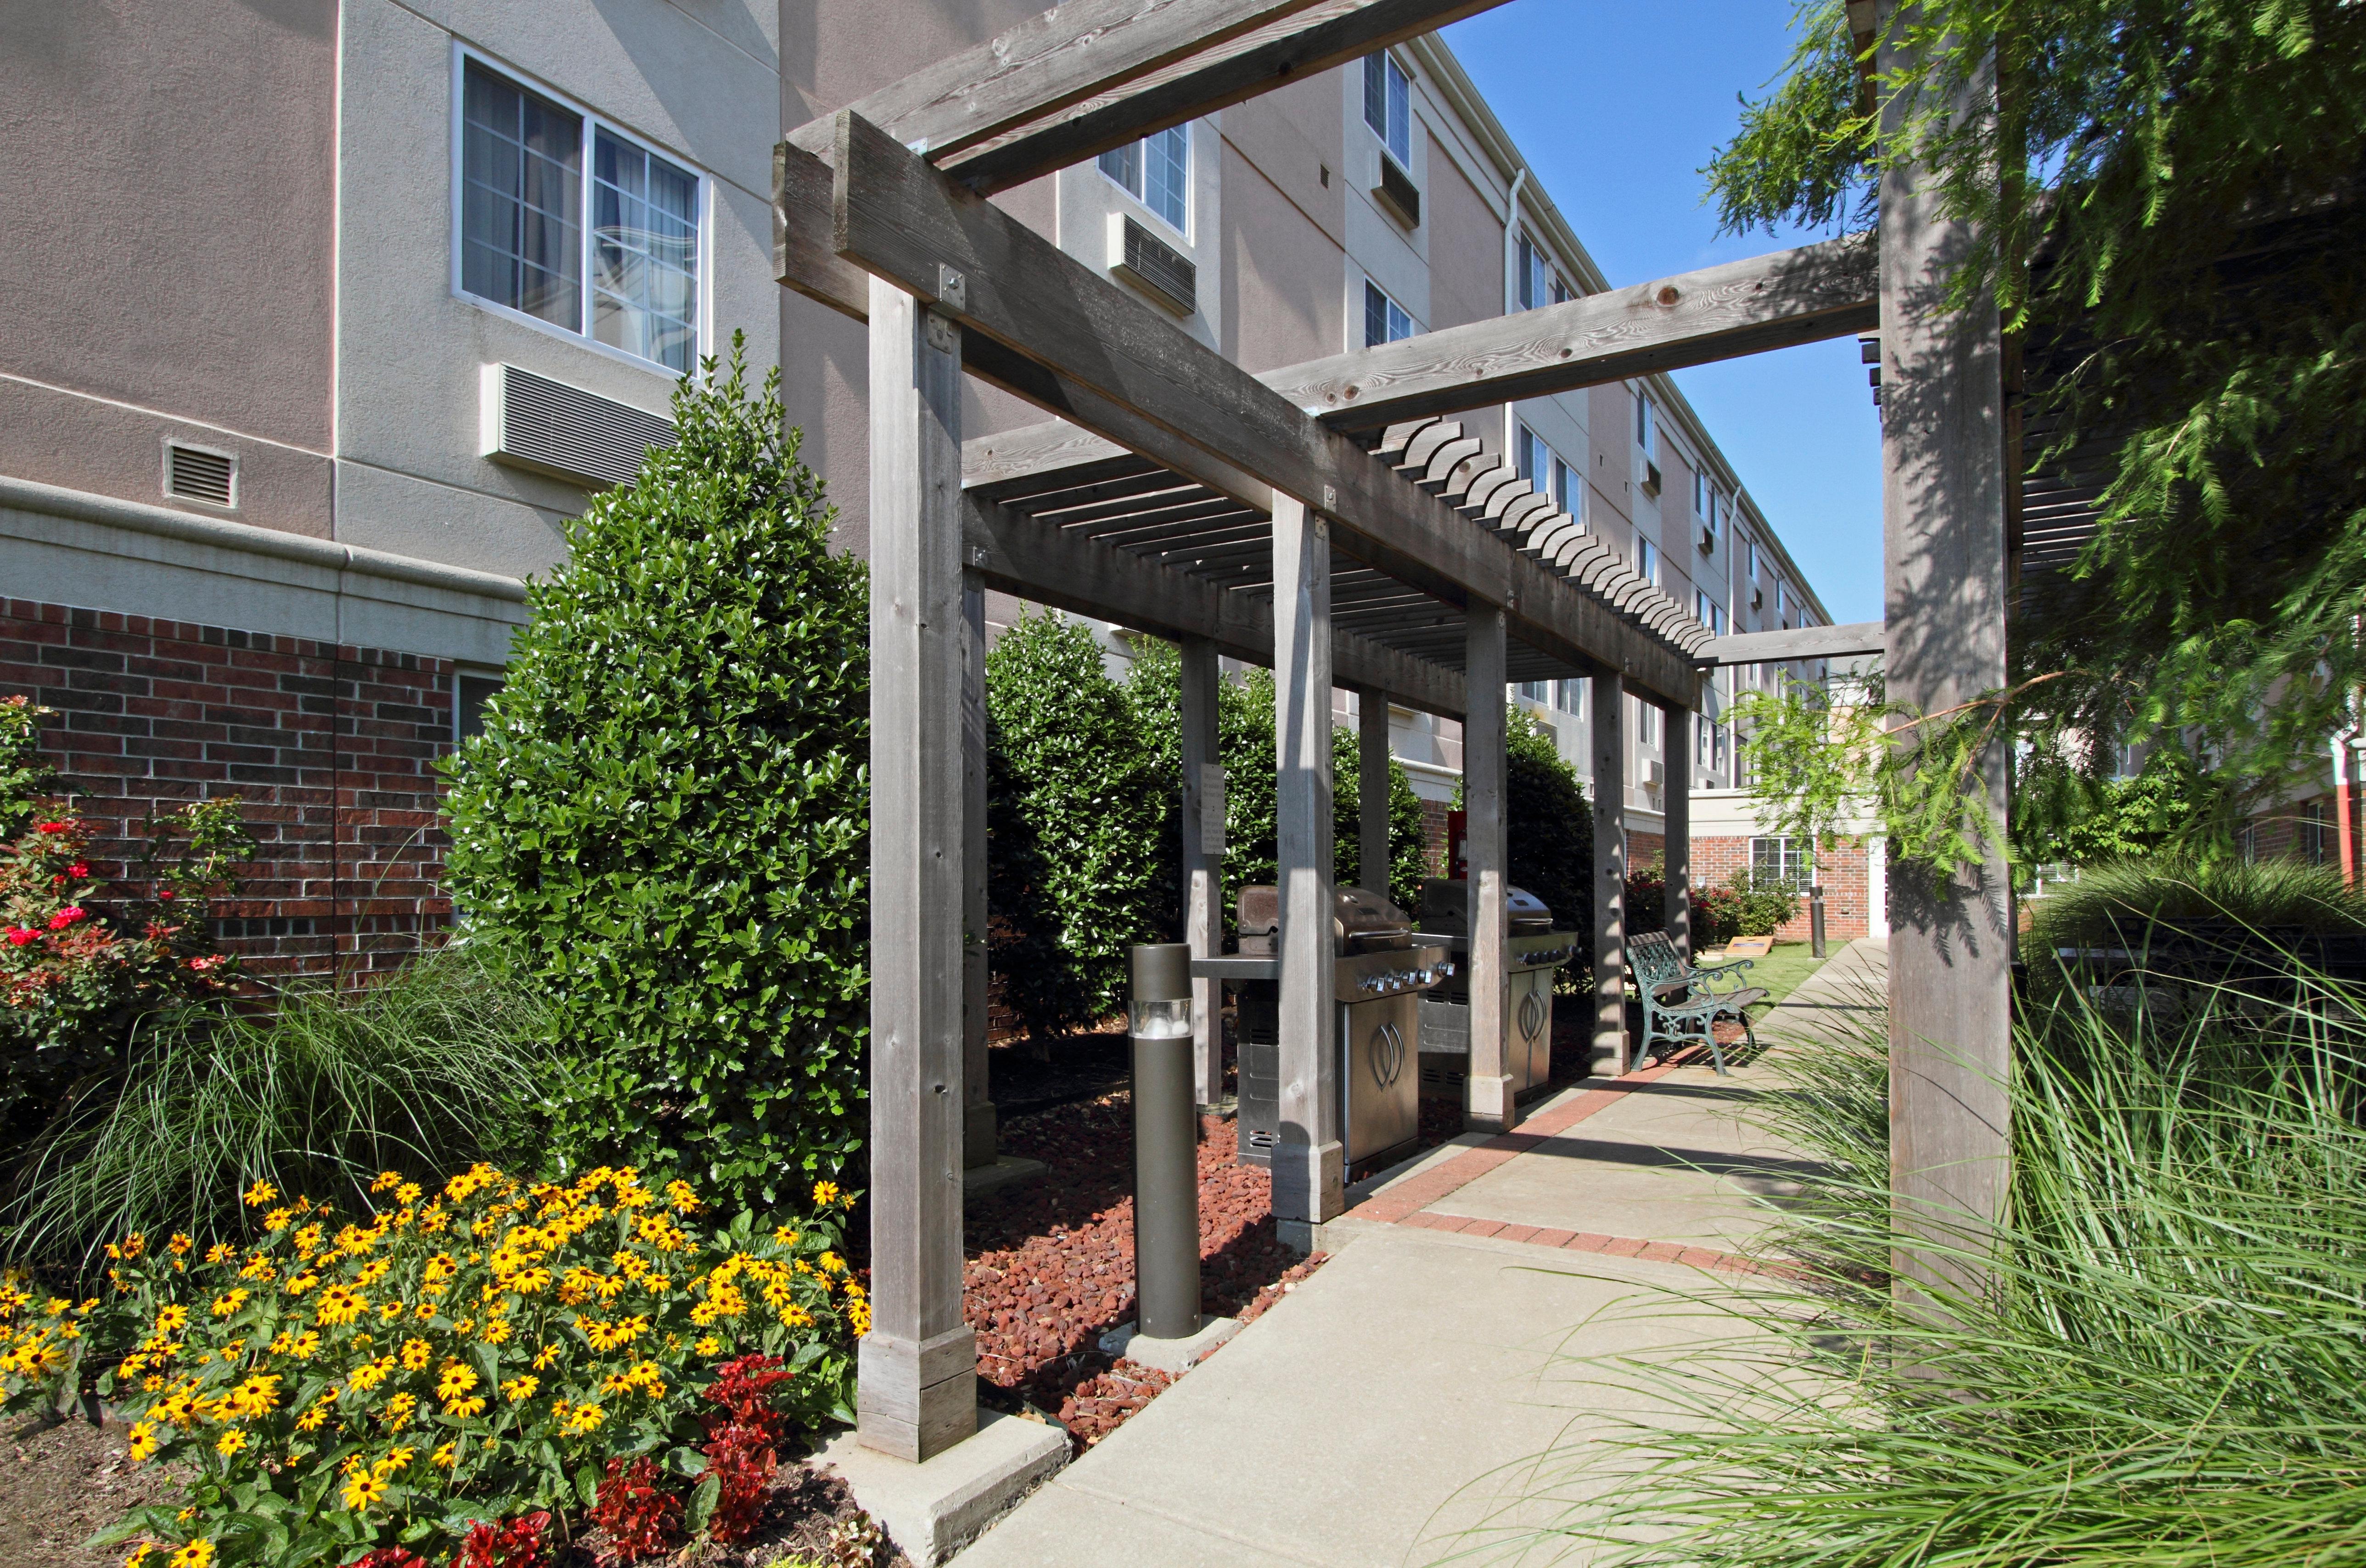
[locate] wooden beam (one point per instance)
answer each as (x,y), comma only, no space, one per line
(1676,829)
(1488,1103)
(1372,793)
(917,1387)
(1203,857)
(1093,74)
(980,1125)
(902,220)
(1310,1178)
(1038,561)
(1854,640)
(1609,736)
(1819,291)
(1951,935)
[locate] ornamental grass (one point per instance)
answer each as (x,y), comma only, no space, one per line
(422,1380)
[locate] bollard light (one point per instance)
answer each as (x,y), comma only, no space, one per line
(1816,919)
(1166,1145)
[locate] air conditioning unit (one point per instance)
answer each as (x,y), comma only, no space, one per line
(1655,775)
(1393,189)
(1757,597)
(531,421)
(1156,268)
(1651,478)
(1707,540)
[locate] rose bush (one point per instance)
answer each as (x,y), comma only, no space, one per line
(425,1380)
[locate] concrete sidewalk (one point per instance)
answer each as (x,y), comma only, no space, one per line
(1394,1408)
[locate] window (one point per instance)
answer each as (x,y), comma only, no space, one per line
(1568,495)
(1543,469)
(1530,455)
(1778,596)
(1750,550)
(1384,320)
(470,695)
(1708,612)
(1710,505)
(1540,282)
(1647,560)
(1387,105)
(1647,722)
(1787,860)
(2312,832)
(1646,428)
(1156,171)
(1708,743)
(530,170)
(1573,697)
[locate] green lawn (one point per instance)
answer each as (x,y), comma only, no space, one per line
(1781,970)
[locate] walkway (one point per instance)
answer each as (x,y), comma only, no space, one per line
(1389,1411)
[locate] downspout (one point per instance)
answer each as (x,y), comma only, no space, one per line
(2345,833)
(1512,292)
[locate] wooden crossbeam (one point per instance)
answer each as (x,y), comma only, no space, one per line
(1804,295)
(1798,642)
(1111,364)
(1092,74)
(1039,561)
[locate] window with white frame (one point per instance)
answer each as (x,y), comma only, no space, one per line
(1647,724)
(1387,105)
(1779,609)
(1749,552)
(1543,468)
(1787,860)
(1647,560)
(1156,171)
(1708,612)
(1708,743)
(1384,320)
(1646,425)
(569,220)
(1572,698)
(1540,282)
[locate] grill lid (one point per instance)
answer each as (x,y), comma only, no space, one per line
(1361,919)
(1445,910)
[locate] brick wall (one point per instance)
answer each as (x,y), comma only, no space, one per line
(1843,867)
(331,749)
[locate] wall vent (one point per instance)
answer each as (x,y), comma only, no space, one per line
(200,474)
(1158,270)
(1394,190)
(532,422)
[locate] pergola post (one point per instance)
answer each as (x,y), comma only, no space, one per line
(979,1127)
(916,1393)
(1609,740)
(1676,808)
(1943,488)
(1203,868)
(1488,1103)
(1372,789)
(1309,1183)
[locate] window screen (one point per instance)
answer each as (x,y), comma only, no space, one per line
(1778,859)
(645,253)
(522,163)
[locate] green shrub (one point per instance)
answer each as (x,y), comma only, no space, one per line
(426,1071)
(1549,826)
(666,819)
(2110,905)
(2168,1368)
(1763,904)
(1083,853)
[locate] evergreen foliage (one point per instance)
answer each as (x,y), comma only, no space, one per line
(1083,847)
(2166,192)
(1547,825)
(666,818)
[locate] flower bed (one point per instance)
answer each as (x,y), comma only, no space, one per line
(471,1375)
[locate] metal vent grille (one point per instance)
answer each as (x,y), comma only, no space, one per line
(194,474)
(1397,190)
(535,422)
(1158,270)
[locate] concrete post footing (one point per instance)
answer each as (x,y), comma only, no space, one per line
(932,1509)
(1176,1356)
(1007,1171)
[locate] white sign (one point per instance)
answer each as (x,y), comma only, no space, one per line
(1212,809)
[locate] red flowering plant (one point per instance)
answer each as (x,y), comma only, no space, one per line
(77,966)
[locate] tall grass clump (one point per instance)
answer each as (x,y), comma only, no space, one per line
(423,1073)
(2164,1362)
(2121,899)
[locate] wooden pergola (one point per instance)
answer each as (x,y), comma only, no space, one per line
(1332,520)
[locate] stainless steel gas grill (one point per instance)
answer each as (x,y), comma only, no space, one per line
(1533,953)
(1379,976)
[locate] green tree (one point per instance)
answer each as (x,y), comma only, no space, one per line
(666,818)
(1082,847)
(2167,195)
(1547,825)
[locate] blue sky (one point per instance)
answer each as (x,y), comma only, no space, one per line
(1618,104)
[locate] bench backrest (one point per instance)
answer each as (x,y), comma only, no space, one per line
(1653,957)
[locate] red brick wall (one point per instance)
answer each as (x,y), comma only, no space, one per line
(1644,848)
(1434,845)
(331,748)
(1842,867)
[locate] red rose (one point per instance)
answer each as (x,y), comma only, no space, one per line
(53,827)
(165,894)
(65,917)
(79,869)
(18,935)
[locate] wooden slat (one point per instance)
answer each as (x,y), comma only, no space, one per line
(1608,732)
(1804,295)
(1135,377)
(1036,561)
(1489,1089)
(1798,642)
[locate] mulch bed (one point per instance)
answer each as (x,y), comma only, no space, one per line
(63,1484)
(1051,1265)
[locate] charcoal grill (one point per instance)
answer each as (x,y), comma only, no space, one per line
(1379,976)
(1533,953)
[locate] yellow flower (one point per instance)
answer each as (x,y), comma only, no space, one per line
(180,1245)
(307,1345)
(463,1409)
(173,1318)
(277,1220)
(220,1252)
(531,1281)
(143,1441)
(230,1442)
(496,1332)
(389,1312)
(256,1396)
(260,1193)
(455,1379)
(407,1194)
(831,1263)
(396,1460)
(341,1305)
(363,1490)
(546,1358)
(583,1418)
(138,1555)
(308,1239)
(710,1346)
(197,1554)
(228,1302)
(520,1389)
(416,1354)
(371,1373)
(386,1178)
(302,1283)
(824,1194)
(443,1457)
(785,1235)
(683,1196)
(399,1409)
(311,1420)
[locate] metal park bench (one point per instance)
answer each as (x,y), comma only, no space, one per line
(1682,1004)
